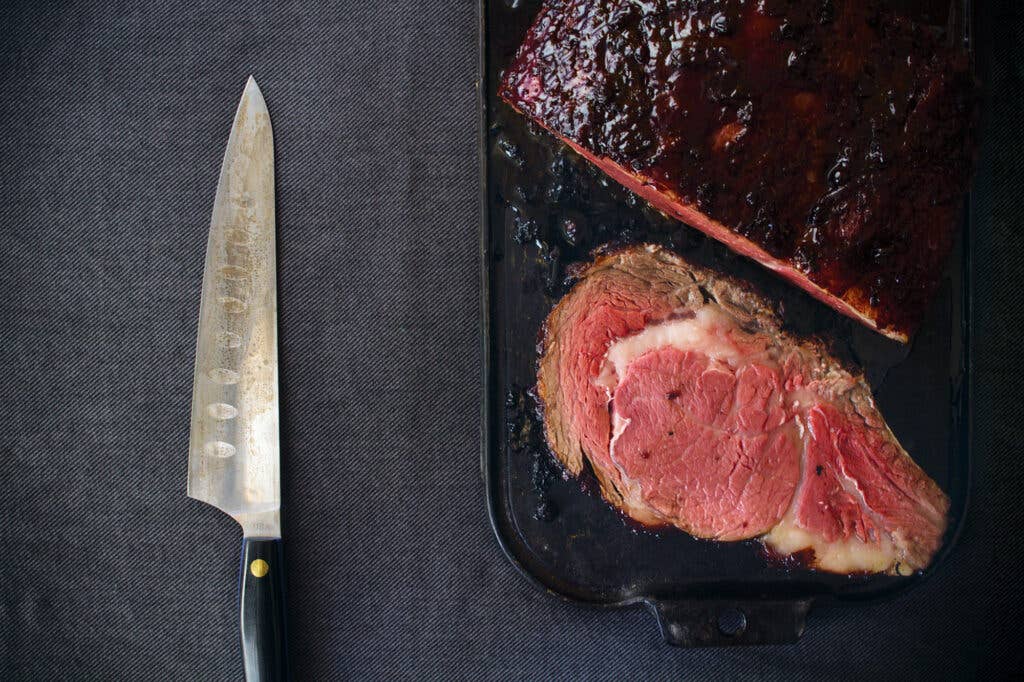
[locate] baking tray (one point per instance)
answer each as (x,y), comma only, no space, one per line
(545,209)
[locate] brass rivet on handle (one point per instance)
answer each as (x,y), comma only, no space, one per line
(259,568)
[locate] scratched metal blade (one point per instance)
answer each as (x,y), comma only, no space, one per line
(234,453)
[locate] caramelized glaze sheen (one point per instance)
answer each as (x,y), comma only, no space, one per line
(833,135)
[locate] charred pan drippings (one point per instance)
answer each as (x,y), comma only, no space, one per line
(830,140)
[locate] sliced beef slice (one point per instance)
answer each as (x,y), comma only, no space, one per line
(693,409)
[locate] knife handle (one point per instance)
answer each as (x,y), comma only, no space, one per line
(264,650)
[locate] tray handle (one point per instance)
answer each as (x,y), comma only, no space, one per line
(713,622)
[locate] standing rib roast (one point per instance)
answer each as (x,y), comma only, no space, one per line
(829,140)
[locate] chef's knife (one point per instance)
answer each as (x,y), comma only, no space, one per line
(234,455)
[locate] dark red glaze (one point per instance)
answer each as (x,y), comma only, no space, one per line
(827,138)
(802,559)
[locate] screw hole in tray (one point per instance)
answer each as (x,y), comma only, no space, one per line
(732,622)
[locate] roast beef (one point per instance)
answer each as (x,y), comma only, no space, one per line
(828,139)
(678,388)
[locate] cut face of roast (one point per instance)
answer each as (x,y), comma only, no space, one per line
(693,409)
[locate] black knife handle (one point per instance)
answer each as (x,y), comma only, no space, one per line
(262,604)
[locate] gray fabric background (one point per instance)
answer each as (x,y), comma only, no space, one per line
(113,120)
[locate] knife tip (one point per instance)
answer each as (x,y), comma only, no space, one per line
(254,95)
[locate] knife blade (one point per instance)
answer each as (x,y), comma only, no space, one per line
(234,447)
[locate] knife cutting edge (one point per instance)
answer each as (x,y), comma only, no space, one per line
(234,450)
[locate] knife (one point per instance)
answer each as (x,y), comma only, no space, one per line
(234,451)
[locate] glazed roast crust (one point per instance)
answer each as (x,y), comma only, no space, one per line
(831,141)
